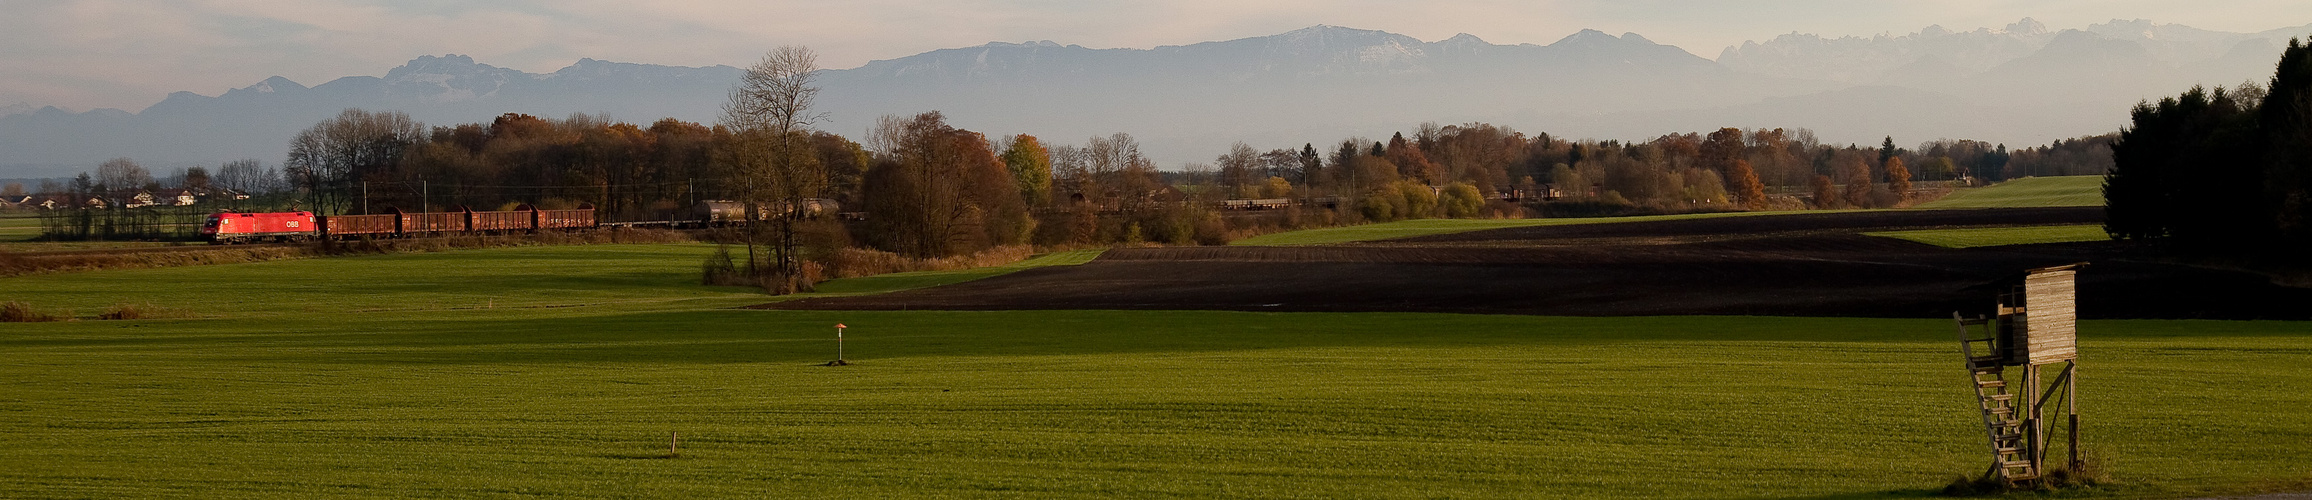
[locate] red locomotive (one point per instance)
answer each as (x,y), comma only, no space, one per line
(244,227)
(237,227)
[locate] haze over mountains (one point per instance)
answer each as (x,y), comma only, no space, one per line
(2020,84)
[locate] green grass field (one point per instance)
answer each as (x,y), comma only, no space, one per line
(925,279)
(1425,227)
(18,226)
(2065,191)
(2000,236)
(560,371)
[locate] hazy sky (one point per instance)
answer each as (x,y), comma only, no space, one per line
(128,54)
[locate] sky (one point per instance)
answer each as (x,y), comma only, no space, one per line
(129,54)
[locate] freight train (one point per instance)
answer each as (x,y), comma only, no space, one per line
(246,227)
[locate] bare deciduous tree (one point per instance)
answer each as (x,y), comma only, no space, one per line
(769,113)
(333,157)
(122,173)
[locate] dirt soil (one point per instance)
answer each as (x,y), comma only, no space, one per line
(1781,265)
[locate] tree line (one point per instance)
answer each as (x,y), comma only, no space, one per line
(2219,171)
(918,186)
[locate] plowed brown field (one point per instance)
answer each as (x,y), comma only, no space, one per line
(1794,265)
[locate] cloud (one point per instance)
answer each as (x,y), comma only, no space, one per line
(129,54)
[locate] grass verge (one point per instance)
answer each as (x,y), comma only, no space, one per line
(884,283)
(1425,227)
(1999,236)
(2063,191)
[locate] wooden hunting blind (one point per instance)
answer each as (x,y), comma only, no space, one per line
(2036,323)
(2038,316)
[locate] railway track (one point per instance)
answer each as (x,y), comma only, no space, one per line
(146,250)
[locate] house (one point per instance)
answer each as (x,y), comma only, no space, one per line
(219,193)
(49,202)
(130,198)
(175,197)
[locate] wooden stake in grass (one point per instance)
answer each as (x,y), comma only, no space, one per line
(672,440)
(839,347)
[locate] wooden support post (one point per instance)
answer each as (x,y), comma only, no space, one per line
(2071,406)
(2031,422)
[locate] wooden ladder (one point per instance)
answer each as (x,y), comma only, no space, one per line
(2013,450)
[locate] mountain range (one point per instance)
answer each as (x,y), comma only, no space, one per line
(2020,84)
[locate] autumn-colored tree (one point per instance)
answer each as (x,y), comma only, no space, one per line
(1478,153)
(938,191)
(1747,189)
(1825,193)
(1461,200)
(1030,164)
(1898,178)
(1410,162)
(1720,150)
(1276,187)
(1420,199)
(1858,181)
(1703,186)
(1240,170)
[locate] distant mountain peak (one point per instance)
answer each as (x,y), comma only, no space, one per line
(2027,26)
(275,84)
(450,64)
(1586,35)
(1033,44)
(1326,28)
(1464,38)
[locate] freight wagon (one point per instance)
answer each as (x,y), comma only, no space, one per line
(246,227)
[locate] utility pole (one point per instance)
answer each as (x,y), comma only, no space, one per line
(364,197)
(424,195)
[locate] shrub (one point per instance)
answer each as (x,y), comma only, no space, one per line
(1383,205)
(719,270)
(19,312)
(1420,200)
(123,311)
(1462,200)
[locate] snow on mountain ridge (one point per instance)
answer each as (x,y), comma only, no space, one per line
(1852,59)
